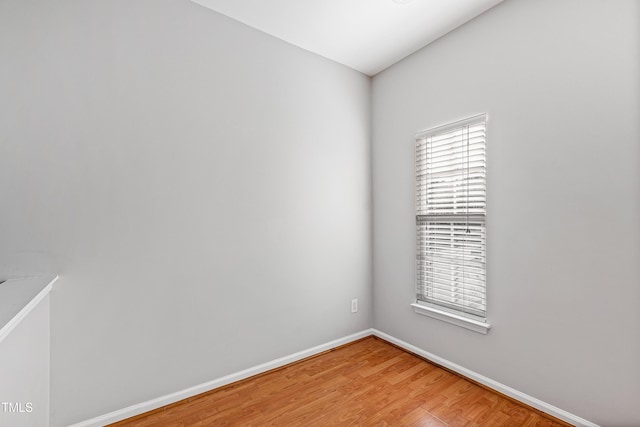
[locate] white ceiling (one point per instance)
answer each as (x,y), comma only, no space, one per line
(367,35)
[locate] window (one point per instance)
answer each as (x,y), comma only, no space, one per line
(450,223)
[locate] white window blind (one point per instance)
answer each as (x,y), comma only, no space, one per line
(450,217)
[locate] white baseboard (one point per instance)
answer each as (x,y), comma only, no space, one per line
(159,402)
(499,387)
(11,324)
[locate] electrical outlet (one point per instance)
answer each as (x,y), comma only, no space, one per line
(354,305)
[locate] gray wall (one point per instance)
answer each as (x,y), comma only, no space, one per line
(24,370)
(202,189)
(560,81)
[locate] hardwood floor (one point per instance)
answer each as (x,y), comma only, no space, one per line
(366,383)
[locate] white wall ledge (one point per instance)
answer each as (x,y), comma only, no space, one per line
(18,297)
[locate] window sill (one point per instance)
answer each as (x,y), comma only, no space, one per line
(454,319)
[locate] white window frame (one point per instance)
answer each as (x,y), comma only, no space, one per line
(466,316)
